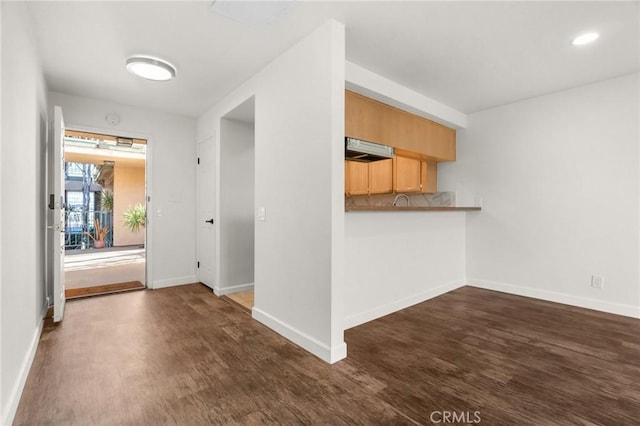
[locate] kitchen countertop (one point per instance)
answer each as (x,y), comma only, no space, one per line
(408,209)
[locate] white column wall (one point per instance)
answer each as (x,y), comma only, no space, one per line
(299,131)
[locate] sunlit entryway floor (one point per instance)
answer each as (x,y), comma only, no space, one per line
(90,268)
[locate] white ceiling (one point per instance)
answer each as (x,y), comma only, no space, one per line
(467,55)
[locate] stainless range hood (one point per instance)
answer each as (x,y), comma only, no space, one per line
(366,152)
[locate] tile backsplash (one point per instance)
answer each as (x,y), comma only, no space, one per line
(439,199)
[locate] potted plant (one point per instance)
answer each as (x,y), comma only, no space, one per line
(100,234)
(135,217)
(106,199)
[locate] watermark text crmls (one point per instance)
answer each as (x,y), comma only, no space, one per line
(460,417)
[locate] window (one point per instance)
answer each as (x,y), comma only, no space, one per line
(73,170)
(74,200)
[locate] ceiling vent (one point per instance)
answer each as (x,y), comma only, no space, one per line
(257,14)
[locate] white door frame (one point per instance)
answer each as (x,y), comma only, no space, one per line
(210,140)
(149,199)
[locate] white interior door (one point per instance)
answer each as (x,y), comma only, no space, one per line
(57,228)
(206,244)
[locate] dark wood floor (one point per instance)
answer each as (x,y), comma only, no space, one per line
(182,356)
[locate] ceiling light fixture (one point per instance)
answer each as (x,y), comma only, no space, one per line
(151,68)
(585,38)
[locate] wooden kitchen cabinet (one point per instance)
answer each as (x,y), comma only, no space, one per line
(381,177)
(407,174)
(400,174)
(415,175)
(373,121)
(443,141)
(368,178)
(364,119)
(356,178)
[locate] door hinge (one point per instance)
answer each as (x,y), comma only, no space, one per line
(198,160)
(198,264)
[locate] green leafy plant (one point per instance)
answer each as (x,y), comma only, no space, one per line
(100,232)
(106,199)
(135,217)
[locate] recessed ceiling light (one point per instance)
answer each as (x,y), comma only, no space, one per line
(585,38)
(151,68)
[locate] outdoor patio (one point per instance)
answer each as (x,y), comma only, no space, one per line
(97,267)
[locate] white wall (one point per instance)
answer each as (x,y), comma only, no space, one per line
(2,415)
(22,217)
(299,143)
(559,177)
(398,259)
(237,194)
(171,178)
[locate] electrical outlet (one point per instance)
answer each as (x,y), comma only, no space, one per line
(597,281)
(477,201)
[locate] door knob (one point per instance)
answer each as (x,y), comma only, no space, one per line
(209,221)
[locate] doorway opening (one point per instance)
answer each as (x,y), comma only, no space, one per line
(237,204)
(105,215)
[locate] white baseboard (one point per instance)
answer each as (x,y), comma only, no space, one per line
(9,411)
(319,349)
(552,296)
(397,305)
(171,282)
(232,289)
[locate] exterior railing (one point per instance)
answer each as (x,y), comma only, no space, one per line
(78,222)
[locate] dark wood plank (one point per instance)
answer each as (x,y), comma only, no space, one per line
(183,356)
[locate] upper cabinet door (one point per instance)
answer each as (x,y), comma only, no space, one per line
(373,121)
(407,174)
(363,118)
(356,178)
(381,177)
(443,142)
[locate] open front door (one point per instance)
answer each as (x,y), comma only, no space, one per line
(58,223)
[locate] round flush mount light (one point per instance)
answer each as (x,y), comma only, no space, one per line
(585,38)
(151,68)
